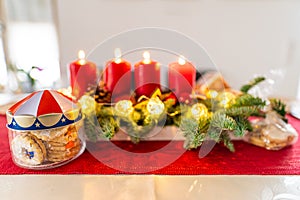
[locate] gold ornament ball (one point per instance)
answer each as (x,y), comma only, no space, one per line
(88,104)
(226,99)
(211,94)
(124,107)
(155,106)
(199,110)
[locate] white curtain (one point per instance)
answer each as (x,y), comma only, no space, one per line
(32,39)
(3,71)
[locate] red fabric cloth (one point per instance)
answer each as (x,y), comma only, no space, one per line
(247,160)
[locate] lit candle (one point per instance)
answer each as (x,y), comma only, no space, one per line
(146,76)
(182,78)
(83,74)
(117,75)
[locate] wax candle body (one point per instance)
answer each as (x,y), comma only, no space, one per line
(147,78)
(82,75)
(182,79)
(117,77)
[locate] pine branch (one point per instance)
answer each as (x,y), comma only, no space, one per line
(137,125)
(108,127)
(89,126)
(227,141)
(248,100)
(104,111)
(214,133)
(242,126)
(252,83)
(244,111)
(222,121)
(93,129)
(221,124)
(280,107)
(194,132)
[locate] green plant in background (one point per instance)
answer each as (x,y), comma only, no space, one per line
(30,79)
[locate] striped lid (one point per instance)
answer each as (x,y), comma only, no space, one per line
(43,110)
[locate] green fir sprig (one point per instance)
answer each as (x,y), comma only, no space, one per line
(194,131)
(280,107)
(218,127)
(245,88)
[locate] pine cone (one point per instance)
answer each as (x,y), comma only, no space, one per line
(102,95)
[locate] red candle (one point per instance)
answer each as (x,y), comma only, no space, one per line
(182,78)
(146,76)
(82,74)
(117,75)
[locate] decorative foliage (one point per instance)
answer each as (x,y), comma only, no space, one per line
(252,83)
(216,117)
(280,107)
(194,131)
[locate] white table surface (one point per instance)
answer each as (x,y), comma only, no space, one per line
(131,187)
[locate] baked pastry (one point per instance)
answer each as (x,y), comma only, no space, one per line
(54,133)
(272,136)
(65,146)
(212,81)
(57,146)
(49,134)
(28,149)
(57,156)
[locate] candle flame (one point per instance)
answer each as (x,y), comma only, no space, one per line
(118,55)
(146,56)
(181,60)
(81,55)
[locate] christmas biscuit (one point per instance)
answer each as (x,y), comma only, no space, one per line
(58,147)
(272,136)
(63,155)
(28,149)
(70,135)
(49,134)
(257,140)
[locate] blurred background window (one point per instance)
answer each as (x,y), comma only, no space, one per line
(32,41)
(3,70)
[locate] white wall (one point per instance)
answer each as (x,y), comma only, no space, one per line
(243,37)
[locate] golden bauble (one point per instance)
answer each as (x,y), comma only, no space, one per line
(124,108)
(155,106)
(199,110)
(88,104)
(211,94)
(226,99)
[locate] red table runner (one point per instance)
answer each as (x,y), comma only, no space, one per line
(247,160)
